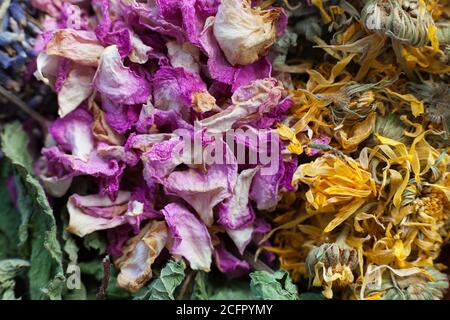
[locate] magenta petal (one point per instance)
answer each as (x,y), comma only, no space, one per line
(258,70)
(191,238)
(118,82)
(228,263)
(235,212)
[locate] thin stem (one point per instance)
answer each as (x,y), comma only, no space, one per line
(323,45)
(101,295)
(256,263)
(23,106)
(325,147)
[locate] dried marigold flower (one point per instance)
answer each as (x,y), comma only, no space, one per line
(407,284)
(435,95)
(405,21)
(331,264)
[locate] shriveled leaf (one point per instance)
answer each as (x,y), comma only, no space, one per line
(76,294)
(92,268)
(163,288)
(94,241)
(273,286)
(38,226)
(15,145)
(238,290)
(210,288)
(200,290)
(9,217)
(70,247)
(71,250)
(9,269)
(46,272)
(114,291)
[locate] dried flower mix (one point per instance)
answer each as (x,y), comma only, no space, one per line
(294,148)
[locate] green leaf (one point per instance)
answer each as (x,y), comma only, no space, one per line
(70,247)
(163,288)
(4,246)
(95,241)
(9,216)
(205,288)
(91,277)
(46,276)
(200,290)
(273,286)
(236,290)
(8,271)
(114,291)
(93,268)
(24,205)
(46,272)
(15,146)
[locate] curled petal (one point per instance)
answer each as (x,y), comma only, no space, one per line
(255,99)
(92,213)
(191,238)
(235,212)
(138,255)
(228,263)
(79,46)
(244,33)
(76,88)
(118,82)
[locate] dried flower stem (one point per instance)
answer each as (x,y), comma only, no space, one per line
(101,295)
(256,263)
(325,147)
(23,106)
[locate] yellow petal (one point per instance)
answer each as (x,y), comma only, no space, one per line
(432,35)
(325,16)
(344,214)
(417,106)
(295,148)
(340,66)
(360,132)
(388,141)
(376,296)
(285,132)
(398,197)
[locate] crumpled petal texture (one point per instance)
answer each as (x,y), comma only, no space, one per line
(138,84)
(244,34)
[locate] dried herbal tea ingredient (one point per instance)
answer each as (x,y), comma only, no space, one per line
(335,186)
(332,263)
(407,284)
(381,176)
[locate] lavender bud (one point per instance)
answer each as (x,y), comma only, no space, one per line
(18,13)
